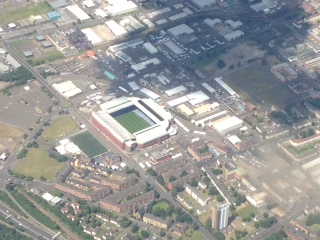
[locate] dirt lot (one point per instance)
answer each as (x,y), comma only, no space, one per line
(239,54)
(23,108)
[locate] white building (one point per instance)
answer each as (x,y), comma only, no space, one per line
(150,48)
(195,194)
(78,12)
(220,217)
(121,7)
(182,29)
(203,3)
(115,28)
(233,35)
(227,124)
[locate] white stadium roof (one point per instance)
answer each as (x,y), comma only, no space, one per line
(116,104)
(115,28)
(78,12)
(149,134)
(149,93)
(92,36)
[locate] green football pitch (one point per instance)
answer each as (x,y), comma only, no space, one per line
(132,122)
(88,144)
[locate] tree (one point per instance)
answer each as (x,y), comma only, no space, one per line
(195,226)
(144,234)
(193,182)
(213,191)
(125,222)
(152,172)
(134,228)
(162,233)
(220,198)
(265,215)
(217,171)
(172,178)
(42,178)
(221,64)
(160,180)
(184,173)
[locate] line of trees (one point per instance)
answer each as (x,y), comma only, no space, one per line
(8,233)
(4,198)
(31,209)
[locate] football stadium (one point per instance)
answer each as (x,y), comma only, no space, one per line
(133,122)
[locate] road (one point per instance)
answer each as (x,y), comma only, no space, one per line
(31,229)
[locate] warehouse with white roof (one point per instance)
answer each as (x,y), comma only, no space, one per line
(233,35)
(67,89)
(203,3)
(150,48)
(92,36)
(121,7)
(192,98)
(115,28)
(226,125)
(78,12)
(177,90)
(225,86)
(182,29)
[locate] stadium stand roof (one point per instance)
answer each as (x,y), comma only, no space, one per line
(150,94)
(78,12)
(113,126)
(116,104)
(151,133)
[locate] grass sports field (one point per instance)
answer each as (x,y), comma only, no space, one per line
(24,12)
(88,144)
(37,164)
(132,122)
(59,127)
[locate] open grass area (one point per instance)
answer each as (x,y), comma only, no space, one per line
(16,46)
(257,85)
(204,216)
(195,235)
(132,122)
(66,104)
(37,164)
(161,205)
(88,144)
(9,136)
(59,127)
(24,12)
(301,151)
(246,211)
(47,57)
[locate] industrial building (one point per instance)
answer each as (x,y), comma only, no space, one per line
(203,3)
(234,24)
(177,90)
(28,54)
(192,98)
(174,47)
(46,44)
(58,3)
(121,7)
(92,36)
(233,35)
(150,94)
(78,12)
(220,217)
(53,16)
(284,72)
(158,119)
(264,4)
(67,89)
(150,48)
(226,125)
(225,86)
(180,30)
(211,23)
(115,28)
(12,61)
